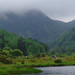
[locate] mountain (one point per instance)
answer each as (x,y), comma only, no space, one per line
(33,24)
(64,43)
(67,25)
(26,45)
(62,24)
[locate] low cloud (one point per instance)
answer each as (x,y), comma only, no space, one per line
(56,9)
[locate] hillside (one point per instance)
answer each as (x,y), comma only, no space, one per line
(65,25)
(26,45)
(64,43)
(33,24)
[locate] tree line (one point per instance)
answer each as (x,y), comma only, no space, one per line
(27,45)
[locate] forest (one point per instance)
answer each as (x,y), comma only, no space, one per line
(11,43)
(65,44)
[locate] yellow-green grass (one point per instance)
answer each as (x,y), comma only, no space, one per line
(16,69)
(45,61)
(22,68)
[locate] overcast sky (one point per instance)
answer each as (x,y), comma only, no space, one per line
(63,10)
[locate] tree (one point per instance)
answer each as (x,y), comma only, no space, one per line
(52,51)
(16,52)
(21,45)
(45,46)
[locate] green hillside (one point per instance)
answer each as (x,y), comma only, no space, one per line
(64,43)
(26,45)
(33,24)
(67,25)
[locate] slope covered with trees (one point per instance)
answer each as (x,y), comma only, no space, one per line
(65,43)
(67,25)
(10,41)
(33,24)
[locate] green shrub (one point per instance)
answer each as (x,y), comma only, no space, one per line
(3,53)
(0,50)
(58,61)
(33,60)
(36,56)
(39,55)
(15,62)
(73,56)
(5,61)
(6,48)
(62,55)
(42,55)
(22,62)
(16,52)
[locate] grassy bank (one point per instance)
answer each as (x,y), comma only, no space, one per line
(23,65)
(45,61)
(16,69)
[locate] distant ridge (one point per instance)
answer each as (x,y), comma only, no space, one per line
(64,43)
(33,24)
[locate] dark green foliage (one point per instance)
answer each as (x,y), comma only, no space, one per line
(36,25)
(5,61)
(45,46)
(22,46)
(39,55)
(61,55)
(58,61)
(68,53)
(8,39)
(33,24)
(6,48)
(73,56)
(65,43)
(0,50)
(52,51)
(10,42)
(42,55)
(3,53)
(36,56)
(22,62)
(16,52)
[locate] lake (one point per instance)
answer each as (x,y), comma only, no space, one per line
(62,70)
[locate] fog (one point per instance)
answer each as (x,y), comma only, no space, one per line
(56,9)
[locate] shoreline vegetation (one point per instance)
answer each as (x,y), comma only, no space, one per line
(9,70)
(25,65)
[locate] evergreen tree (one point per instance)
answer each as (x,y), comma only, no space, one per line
(21,45)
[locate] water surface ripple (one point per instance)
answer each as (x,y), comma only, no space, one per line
(64,70)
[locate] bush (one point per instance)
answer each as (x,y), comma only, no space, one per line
(6,48)
(5,52)
(36,56)
(16,52)
(5,61)
(62,55)
(39,55)
(58,61)
(0,50)
(42,55)
(22,62)
(73,56)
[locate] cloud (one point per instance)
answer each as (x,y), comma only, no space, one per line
(56,9)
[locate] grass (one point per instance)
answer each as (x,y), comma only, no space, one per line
(24,65)
(45,61)
(16,69)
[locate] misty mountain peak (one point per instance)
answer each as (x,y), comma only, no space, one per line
(34,24)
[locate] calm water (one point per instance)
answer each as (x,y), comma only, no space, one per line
(65,70)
